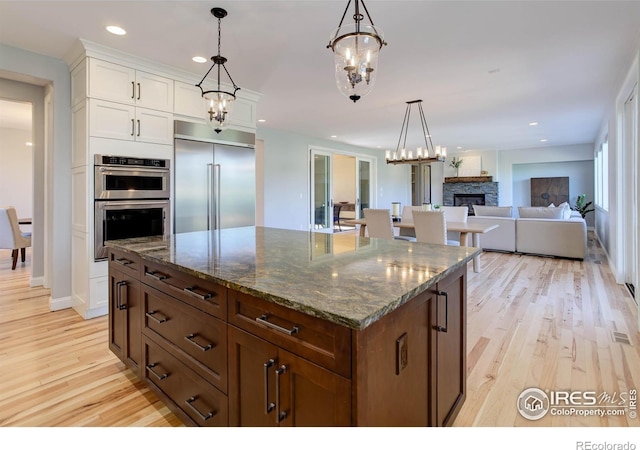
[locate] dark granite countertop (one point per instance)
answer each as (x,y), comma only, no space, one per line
(344,278)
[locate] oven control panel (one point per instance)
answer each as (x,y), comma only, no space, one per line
(110,160)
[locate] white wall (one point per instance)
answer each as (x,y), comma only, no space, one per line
(17,64)
(286,177)
(16,178)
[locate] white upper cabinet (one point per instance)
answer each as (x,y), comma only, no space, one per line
(118,83)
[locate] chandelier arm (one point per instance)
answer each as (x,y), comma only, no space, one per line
(403,128)
(404,144)
(344,14)
(205,76)
(367,12)
(235,87)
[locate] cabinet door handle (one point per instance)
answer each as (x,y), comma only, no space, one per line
(122,305)
(116,294)
(133,127)
(263,320)
(446,312)
(268,407)
(156,275)
(206,416)
(151,315)
(160,377)
(123,261)
(133,90)
(191,290)
(139,91)
(280,415)
(138,127)
(191,339)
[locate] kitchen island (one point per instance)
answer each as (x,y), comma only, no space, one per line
(259,326)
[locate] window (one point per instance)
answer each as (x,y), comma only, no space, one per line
(601,168)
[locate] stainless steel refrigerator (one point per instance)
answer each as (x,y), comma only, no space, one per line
(214,186)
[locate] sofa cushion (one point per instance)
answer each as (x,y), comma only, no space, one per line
(540,212)
(493,211)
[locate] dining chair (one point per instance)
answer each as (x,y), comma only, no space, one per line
(431,227)
(455,214)
(407,217)
(336,215)
(11,237)
(379,224)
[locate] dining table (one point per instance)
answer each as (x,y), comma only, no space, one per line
(25,221)
(464,228)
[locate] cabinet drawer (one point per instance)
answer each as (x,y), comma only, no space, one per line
(205,295)
(201,338)
(317,340)
(200,401)
(128,263)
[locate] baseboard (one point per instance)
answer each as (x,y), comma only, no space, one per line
(57,304)
(36,281)
(96,312)
(612,266)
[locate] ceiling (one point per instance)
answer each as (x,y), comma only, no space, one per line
(483,69)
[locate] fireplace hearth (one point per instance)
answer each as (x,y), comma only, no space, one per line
(469,200)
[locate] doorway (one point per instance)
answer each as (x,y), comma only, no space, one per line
(630,192)
(341,186)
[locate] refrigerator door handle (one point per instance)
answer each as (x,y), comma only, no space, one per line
(216,195)
(210,177)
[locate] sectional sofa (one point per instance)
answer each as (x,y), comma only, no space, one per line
(550,231)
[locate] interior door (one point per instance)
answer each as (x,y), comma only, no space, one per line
(630,176)
(364,186)
(321,191)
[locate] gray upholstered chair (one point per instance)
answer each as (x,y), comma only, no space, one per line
(11,237)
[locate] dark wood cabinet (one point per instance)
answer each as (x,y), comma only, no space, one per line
(125,333)
(269,386)
(449,349)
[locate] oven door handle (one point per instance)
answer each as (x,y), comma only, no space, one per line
(119,171)
(128,203)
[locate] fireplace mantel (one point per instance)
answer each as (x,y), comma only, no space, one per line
(487,179)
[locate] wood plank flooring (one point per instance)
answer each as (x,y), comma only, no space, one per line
(532,322)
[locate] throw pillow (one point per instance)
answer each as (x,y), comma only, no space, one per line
(540,212)
(493,211)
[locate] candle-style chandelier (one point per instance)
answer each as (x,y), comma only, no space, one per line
(356,53)
(219,101)
(426,154)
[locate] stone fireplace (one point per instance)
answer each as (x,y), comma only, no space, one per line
(469,191)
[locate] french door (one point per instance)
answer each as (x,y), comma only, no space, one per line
(630,182)
(359,183)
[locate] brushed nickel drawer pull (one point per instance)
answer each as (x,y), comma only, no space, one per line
(153,372)
(151,315)
(280,415)
(263,320)
(206,416)
(268,406)
(191,290)
(123,261)
(205,348)
(155,275)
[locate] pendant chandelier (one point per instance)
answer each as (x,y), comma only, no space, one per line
(356,53)
(427,154)
(219,101)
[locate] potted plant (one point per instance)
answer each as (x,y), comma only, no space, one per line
(581,206)
(456,163)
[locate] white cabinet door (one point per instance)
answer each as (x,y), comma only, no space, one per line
(188,101)
(154,92)
(109,81)
(154,126)
(111,120)
(243,115)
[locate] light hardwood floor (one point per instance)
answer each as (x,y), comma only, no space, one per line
(532,322)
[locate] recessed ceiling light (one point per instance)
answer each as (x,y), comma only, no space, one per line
(116,30)
(262,120)
(533,124)
(459,148)
(199,59)
(29,144)
(334,136)
(543,140)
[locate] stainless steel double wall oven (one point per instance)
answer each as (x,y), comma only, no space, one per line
(131,199)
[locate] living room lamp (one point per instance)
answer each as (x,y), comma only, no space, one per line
(422,155)
(356,53)
(219,101)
